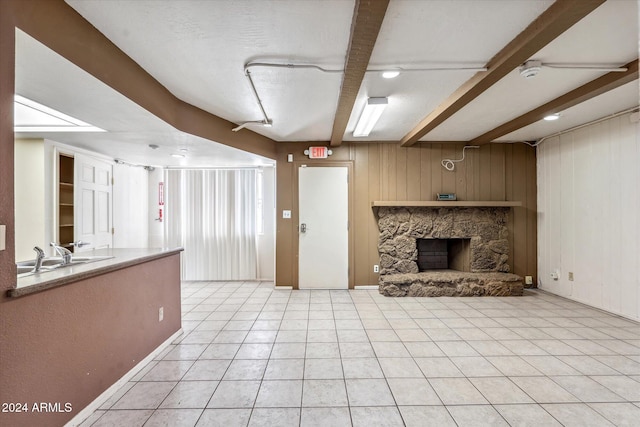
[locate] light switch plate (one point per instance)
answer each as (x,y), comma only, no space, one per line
(286,214)
(3,237)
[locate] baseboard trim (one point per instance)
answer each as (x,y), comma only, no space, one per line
(366,287)
(99,401)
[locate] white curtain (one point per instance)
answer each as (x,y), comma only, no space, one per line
(212,214)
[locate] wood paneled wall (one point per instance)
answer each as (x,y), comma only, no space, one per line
(385,171)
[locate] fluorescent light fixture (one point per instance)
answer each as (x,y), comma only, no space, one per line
(552,117)
(390,74)
(30,116)
(372,111)
(264,123)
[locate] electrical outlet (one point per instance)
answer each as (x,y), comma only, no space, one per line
(376,268)
(160,314)
(528,280)
(571,276)
(286,214)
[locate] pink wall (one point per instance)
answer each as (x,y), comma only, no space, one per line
(7,57)
(69,344)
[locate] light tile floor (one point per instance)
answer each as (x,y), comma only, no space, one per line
(252,355)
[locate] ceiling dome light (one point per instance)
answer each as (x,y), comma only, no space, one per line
(530,69)
(390,74)
(552,117)
(178,156)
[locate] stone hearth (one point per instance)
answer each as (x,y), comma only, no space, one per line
(451,284)
(486,229)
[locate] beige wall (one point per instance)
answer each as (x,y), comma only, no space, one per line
(385,171)
(29,197)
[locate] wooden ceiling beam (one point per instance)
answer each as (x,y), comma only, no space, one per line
(365,26)
(559,17)
(583,93)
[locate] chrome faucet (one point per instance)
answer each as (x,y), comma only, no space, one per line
(39,258)
(64,253)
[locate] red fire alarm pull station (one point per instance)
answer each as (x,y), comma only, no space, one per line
(160,214)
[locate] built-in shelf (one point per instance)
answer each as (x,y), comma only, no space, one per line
(65,218)
(451,204)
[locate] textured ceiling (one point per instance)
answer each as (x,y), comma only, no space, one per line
(198,50)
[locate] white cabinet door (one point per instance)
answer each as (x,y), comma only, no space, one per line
(323,251)
(93,210)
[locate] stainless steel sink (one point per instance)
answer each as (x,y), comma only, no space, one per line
(80,259)
(25,268)
(47,262)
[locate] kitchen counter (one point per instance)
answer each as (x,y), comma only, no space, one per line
(122,258)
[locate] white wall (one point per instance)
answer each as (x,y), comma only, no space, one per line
(130,207)
(589,215)
(267,240)
(29,184)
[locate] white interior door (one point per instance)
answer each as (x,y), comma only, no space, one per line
(93,211)
(323,229)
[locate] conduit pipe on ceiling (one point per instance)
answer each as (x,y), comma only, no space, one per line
(593,122)
(266,121)
(134,165)
(585,67)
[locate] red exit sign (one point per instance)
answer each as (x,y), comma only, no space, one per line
(318,152)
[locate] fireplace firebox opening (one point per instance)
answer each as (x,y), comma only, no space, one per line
(443,254)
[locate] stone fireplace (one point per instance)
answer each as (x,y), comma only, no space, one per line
(465,248)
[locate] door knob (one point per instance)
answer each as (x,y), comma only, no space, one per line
(303,228)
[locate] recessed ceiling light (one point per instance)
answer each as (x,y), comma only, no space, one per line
(178,156)
(390,74)
(183,150)
(552,117)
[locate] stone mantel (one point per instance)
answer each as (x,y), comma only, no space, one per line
(447,204)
